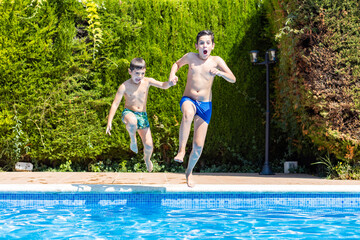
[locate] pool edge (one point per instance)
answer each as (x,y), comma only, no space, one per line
(163,188)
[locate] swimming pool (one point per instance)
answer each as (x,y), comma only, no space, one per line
(179,215)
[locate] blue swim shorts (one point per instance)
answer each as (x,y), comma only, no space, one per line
(141,117)
(203,109)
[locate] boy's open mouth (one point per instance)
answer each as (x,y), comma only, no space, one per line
(205,52)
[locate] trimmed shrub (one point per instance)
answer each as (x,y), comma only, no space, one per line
(61,62)
(318,77)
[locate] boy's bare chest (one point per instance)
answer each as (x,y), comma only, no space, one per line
(136,93)
(202,68)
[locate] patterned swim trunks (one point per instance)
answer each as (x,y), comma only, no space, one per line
(142,118)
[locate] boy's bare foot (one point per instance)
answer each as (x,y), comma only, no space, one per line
(179,157)
(149,165)
(133,146)
(189,180)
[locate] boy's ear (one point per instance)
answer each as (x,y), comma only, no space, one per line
(196,45)
(129,71)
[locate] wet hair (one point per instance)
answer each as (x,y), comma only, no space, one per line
(137,63)
(205,33)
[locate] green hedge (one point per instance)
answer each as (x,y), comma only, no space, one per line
(61,62)
(317,91)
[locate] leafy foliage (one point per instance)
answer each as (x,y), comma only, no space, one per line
(317,89)
(61,62)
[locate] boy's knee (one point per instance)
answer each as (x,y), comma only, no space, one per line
(130,120)
(148,147)
(131,124)
(188,114)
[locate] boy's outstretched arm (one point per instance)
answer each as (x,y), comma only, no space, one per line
(176,66)
(114,106)
(223,71)
(163,85)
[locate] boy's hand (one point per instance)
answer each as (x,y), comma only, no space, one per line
(216,72)
(108,129)
(173,81)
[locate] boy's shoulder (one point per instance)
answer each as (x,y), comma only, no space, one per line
(216,58)
(147,79)
(191,54)
(126,82)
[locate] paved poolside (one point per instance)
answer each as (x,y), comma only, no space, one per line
(115,181)
(119,178)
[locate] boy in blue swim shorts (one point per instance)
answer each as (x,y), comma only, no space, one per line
(203,109)
(196,103)
(135,91)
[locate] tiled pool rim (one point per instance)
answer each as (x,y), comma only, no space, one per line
(100,195)
(173,188)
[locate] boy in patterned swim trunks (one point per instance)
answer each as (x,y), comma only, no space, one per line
(135,91)
(196,102)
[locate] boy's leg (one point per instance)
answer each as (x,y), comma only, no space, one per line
(188,109)
(131,126)
(200,130)
(146,138)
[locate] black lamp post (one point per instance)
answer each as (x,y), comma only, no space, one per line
(269,59)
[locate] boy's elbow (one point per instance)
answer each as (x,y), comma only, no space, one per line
(176,66)
(165,86)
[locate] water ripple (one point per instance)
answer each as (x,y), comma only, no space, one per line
(144,222)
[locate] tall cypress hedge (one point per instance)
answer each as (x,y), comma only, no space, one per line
(61,62)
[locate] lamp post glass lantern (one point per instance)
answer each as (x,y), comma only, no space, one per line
(254,56)
(270,57)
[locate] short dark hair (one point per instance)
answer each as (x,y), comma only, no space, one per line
(204,33)
(137,63)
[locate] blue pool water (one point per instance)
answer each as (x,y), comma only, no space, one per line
(179,215)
